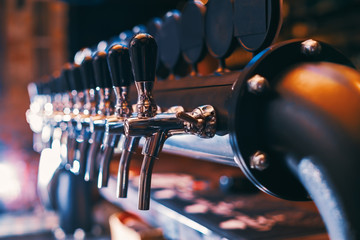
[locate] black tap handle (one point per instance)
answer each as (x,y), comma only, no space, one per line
(101,70)
(87,73)
(65,77)
(47,88)
(120,66)
(58,84)
(76,79)
(54,85)
(143,52)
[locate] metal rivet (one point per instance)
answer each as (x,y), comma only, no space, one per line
(310,47)
(259,161)
(257,84)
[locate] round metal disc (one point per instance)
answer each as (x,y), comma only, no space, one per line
(192,32)
(169,39)
(219,27)
(247,115)
(257,23)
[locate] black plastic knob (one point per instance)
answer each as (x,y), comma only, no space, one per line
(143,52)
(76,79)
(87,73)
(53,86)
(120,66)
(56,82)
(192,34)
(169,39)
(45,85)
(46,88)
(101,70)
(65,77)
(153,28)
(256,23)
(219,28)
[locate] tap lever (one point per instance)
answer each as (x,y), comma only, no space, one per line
(87,75)
(65,77)
(101,70)
(143,53)
(121,76)
(75,78)
(103,81)
(87,72)
(201,121)
(120,66)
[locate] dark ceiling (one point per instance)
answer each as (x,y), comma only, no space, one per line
(91,23)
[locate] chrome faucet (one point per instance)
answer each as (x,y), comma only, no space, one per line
(121,73)
(121,77)
(156,128)
(84,59)
(103,144)
(93,66)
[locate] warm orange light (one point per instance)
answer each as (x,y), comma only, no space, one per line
(204,1)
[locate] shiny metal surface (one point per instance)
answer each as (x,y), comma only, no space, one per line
(310,47)
(257,84)
(129,147)
(259,161)
(200,148)
(151,150)
(122,106)
(91,161)
(142,127)
(146,106)
(201,121)
(109,143)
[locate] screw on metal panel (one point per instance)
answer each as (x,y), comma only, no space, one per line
(259,161)
(310,47)
(257,84)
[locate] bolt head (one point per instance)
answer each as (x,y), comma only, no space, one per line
(310,47)
(259,161)
(257,84)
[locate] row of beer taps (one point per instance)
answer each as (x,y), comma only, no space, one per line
(87,109)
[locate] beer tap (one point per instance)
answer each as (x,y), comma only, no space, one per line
(157,128)
(97,122)
(46,113)
(71,73)
(79,115)
(110,141)
(121,75)
(35,115)
(89,108)
(70,112)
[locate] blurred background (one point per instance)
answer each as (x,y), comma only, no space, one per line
(38,36)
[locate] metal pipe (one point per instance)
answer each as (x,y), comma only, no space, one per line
(151,151)
(315,120)
(130,146)
(110,141)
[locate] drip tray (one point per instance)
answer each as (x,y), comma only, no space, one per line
(188,208)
